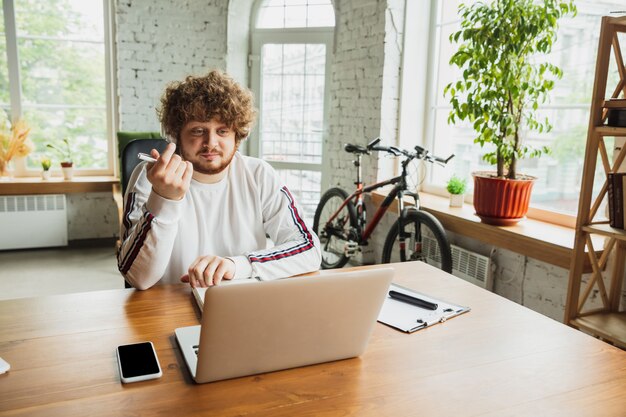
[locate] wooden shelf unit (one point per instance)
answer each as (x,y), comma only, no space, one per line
(607,322)
(608,326)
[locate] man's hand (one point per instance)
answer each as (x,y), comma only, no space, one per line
(209,270)
(170,176)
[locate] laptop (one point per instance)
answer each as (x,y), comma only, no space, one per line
(266,326)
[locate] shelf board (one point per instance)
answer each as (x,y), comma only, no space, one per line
(606,230)
(610,131)
(609,326)
(539,240)
(57,185)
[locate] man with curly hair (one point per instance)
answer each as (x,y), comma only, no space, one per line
(202,213)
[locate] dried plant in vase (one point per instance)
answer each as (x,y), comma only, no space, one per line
(14,142)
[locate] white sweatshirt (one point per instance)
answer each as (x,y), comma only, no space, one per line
(231,218)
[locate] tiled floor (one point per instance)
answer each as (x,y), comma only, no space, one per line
(31,273)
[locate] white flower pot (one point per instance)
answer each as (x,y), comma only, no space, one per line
(45,175)
(68,172)
(456,200)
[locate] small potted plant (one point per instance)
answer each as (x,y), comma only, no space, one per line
(501,86)
(456,187)
(46,163)
(65,153)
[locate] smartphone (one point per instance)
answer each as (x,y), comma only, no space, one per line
(138,362)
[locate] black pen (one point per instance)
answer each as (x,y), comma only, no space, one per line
(412,300)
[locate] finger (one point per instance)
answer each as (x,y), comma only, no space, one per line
(184,278)
(195,271)
(164,159)
(209,271)
(180,169)
(188,172)
(221,271)
(174,162)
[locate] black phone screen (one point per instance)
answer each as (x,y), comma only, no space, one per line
(138,359)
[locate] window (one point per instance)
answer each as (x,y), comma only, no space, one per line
(290,53)
(558,185)
(295,14)
(53,74)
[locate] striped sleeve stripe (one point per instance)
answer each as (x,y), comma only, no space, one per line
(302,247)
(130,202)
(132,253)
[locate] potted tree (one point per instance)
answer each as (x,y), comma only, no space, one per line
(65,153)
(456,187)
(500,90)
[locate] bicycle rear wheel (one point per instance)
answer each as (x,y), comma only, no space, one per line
(334,235)
(418,236)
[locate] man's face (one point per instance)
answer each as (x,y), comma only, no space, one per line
(209,146)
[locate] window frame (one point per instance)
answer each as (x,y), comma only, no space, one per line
(420,59)
(262,36)
(15,93)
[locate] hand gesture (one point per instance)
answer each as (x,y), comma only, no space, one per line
(209,270)
(170,176)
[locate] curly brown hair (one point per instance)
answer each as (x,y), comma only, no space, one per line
(215,95)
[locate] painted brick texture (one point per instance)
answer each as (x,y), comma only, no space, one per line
(159,42)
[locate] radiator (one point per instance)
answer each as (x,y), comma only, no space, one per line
(470,266)
(33,221)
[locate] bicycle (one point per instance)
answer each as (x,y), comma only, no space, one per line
(341,223)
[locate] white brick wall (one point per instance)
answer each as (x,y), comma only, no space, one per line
(159,42)
(364,86)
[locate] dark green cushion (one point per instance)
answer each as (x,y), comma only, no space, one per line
(123,138)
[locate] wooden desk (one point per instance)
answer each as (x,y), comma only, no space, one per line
(499,359)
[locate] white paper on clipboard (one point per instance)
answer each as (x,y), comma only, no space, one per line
(409,318)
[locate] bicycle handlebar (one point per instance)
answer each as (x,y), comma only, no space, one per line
(419,153)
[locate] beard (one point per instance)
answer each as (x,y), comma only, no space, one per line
(209,167)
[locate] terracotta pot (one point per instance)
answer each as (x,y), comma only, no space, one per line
(501,201)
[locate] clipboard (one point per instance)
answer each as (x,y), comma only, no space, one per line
(410,318)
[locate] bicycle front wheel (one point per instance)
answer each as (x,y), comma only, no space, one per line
(334,236)
(418,236)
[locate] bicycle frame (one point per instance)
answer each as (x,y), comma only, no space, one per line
(398,191)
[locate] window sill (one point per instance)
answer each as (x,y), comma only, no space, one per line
(536,239)
(57,185)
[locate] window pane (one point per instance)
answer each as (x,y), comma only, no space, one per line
(305,187)
(70,73)
(567,108)
(292,102)
(83,127)
(295,13)
(78,19)
(62,73)
(4,71)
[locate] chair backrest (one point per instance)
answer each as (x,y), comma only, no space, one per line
(129,156)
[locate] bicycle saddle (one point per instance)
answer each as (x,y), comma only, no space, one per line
(348,147)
